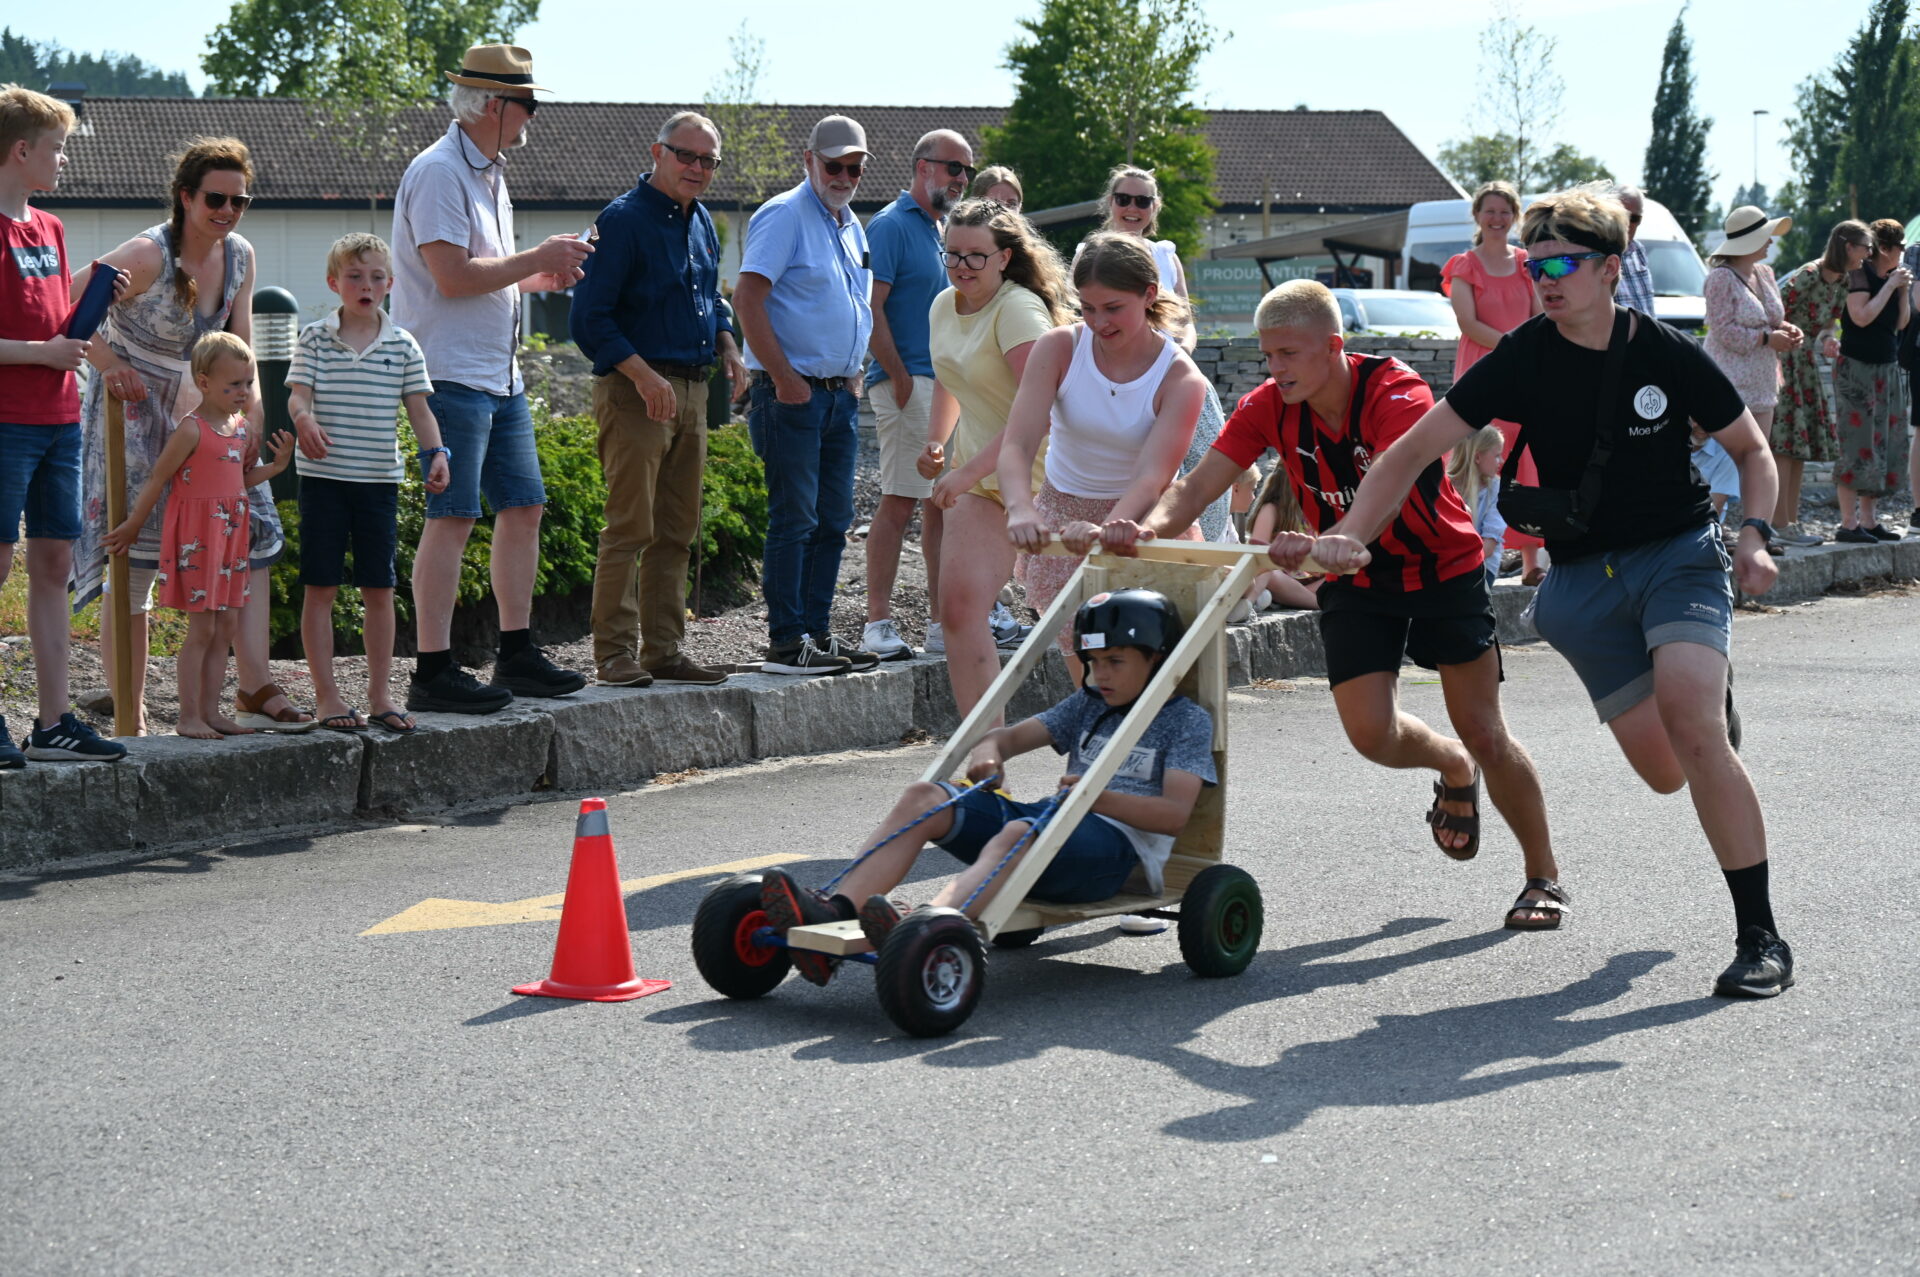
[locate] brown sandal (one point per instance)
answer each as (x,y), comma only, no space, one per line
(1447,822)
(250,711)
(1557,903)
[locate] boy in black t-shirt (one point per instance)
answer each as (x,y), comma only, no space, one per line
(1639,601)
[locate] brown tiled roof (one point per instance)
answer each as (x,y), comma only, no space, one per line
(583,153)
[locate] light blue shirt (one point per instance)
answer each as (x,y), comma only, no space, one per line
(819,305)
(906,256)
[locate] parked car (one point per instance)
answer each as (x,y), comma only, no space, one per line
(1396,312)
(1437,229)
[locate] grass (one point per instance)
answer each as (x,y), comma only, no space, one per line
(167,629)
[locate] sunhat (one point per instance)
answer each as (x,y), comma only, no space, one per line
(1748,230)
(497,66)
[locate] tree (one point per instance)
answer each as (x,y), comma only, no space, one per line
(106,75)
(1480,159)
(758,161)
(1106,82)
(395,49)
(1522,94)
(1674,171)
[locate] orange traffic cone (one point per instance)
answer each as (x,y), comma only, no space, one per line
(593,958)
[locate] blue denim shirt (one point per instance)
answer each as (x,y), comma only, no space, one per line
(652,285)
(820,306)
(906,255)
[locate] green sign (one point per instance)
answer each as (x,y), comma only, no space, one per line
(1234,286)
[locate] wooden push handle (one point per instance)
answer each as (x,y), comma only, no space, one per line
(126,715)
(1218,553)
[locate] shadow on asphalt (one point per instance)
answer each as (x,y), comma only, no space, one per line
(519,1009)
(26,884)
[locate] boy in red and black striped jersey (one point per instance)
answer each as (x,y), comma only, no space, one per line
(1422,595)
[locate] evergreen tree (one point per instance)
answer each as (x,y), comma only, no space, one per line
(1674,172)
(22,61)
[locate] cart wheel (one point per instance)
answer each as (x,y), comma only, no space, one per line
(723,945)
(1220,920)
(1017,939)
(931,972)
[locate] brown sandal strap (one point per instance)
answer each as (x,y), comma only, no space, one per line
(255,702)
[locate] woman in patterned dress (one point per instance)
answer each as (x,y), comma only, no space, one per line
(1814,297)
(1747,332)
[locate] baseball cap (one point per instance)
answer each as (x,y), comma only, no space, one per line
(836,136)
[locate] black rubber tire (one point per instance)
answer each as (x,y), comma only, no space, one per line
(931,972)
(1017,939)
(1220,921)
(720,950)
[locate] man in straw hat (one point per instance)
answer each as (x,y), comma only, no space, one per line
(456,287)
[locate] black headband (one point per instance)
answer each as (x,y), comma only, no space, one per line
(1549,229)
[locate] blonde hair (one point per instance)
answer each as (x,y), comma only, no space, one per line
(215,346)
(998,175)
(351,247)
(1502,190)
(1299,303)
(1032,262)
(1121,172)
(1277,491)
(1123,262)
(1466,476)
(1580,217)
(202,156)
(25,115)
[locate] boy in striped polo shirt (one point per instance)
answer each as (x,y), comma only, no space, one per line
(351,372)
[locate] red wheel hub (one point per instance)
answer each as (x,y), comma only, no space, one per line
(750,951)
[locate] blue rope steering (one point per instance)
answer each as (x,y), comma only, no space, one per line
(925,816)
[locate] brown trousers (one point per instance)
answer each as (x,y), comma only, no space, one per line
(653,471)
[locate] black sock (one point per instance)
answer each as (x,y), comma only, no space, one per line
(848,910)
(428,665)
(1752,907)
(514,642)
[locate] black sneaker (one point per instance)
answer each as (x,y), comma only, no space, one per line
(528,672)
(71,740)
(858,659)
(1879,533)
(455,691)
(1855,536)
(803,658)
(788,905)
(1762,966)
(10,755)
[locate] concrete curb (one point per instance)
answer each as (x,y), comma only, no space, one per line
(172,791)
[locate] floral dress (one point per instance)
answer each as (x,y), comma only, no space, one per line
(1802,421)
(1739,318)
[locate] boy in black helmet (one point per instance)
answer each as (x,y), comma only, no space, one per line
(1121,638)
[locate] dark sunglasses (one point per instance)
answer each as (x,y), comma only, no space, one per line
(954,167)
(1560,267)
(528,103)
(1633,219)
(972,261)
(681,153)
(1122,200)
(835,168)
(220,199)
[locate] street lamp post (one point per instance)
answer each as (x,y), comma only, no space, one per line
(1756,145)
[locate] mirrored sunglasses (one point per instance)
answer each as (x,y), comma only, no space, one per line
(1562,266)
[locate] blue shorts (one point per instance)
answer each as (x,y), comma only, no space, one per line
(1606,612)
(1093,864)
(336,514)
(491,439)
(40,477)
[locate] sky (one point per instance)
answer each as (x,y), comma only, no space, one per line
(1416,60)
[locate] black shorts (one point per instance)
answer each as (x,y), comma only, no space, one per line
(336,515)
(1364,634)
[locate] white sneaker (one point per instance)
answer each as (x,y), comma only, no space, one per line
(880,638)
(936,639)
(1240,613)
(1007,631)
(1135,924)
(1263,601)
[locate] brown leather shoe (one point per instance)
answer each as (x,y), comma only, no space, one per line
(623,671)
(682,670)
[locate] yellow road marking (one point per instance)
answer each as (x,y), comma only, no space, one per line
(445,915)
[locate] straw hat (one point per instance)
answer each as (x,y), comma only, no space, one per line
(1748,230)
(497,66)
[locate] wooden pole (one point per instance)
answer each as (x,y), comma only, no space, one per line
(119,574)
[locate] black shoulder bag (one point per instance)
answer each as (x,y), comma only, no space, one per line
(1562,514)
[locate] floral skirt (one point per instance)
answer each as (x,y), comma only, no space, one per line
(1802,424)
(1872,400)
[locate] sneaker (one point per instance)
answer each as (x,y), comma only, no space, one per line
(455,691)
(528,672)
(884,641)
(789,905)
(878,917)
(1263,600)
(1762,966)
(936,644)
(858,659)
(1003,621)
(1855,536)
(1240,613)
(10,755)
(623,671)
(1139,924)
(71,740)
(803,658)
(682,670)
(1011,641)
(1879,533)
(1797,535)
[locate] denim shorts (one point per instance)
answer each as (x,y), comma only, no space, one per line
(336,514)
(1606,612)
(491,439)
(1093,863)
(40,477)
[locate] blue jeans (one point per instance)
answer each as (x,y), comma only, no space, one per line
(40,476)
(491,439)
(808,450)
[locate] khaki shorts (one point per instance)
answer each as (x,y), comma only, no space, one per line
(903,436)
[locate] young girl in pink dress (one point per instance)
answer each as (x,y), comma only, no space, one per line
(203,547)
(1491,297)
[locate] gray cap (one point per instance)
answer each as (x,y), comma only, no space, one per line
(836,136)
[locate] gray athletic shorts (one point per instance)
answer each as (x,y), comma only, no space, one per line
(1607,612)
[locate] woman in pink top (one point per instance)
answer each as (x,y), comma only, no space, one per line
(1491,297)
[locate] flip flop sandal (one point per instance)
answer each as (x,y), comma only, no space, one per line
(347,722)
(393,720)
(1559,900)
(250,711)
(1447,822)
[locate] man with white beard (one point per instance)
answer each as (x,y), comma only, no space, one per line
(802,302)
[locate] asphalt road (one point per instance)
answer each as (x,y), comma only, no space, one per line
(206,1068)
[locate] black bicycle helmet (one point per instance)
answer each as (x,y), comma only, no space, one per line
(1146,619)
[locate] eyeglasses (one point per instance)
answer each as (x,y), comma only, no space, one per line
(1562,266)
(954,167)
(529,103)
(972,261)
(1122,200)
(219,199)
(1633,219)
(685,156)
(835,168)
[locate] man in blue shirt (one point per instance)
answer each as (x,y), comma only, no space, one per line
(907,275)
(802,301)
(648,315)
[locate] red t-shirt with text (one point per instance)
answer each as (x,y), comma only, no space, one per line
(1432,538)
(34,286)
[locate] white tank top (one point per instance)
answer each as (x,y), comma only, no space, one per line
(1100,427)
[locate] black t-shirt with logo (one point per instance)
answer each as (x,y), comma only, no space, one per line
(1550,386)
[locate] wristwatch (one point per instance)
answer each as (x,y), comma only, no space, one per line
(1765,529)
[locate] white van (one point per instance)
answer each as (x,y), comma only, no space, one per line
(1438,229)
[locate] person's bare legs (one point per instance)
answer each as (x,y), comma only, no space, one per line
(515,558)
(955,894)
(1381,732)
(48,628)
(137,639)
(376,633)
(227,634)
(1786,507)
(982,563)
(886,868)
(252,636)
(1472,693)
(1642,737)
(1690,693)
(1848,501)
(190,673)
(436,580)
(885,535)
(316,638)
(933,524)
